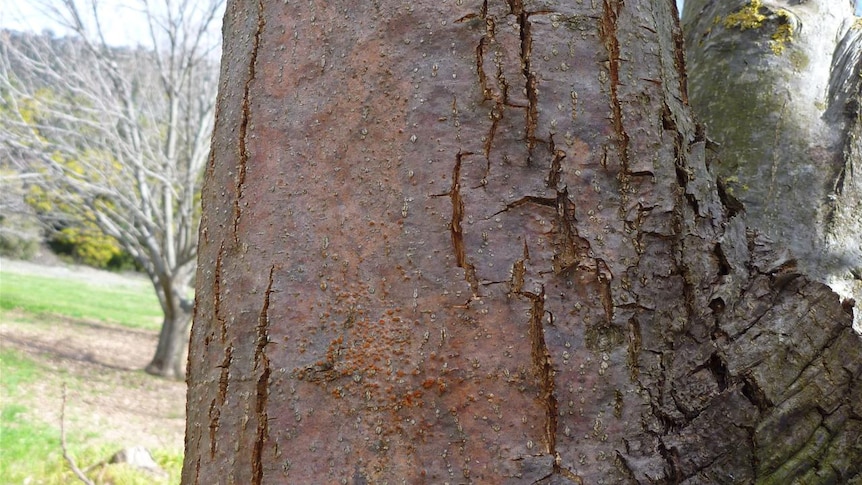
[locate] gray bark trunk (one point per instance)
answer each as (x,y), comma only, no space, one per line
(780,95)
(478,242)
(170,356)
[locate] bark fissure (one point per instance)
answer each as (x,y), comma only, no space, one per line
(571,249)
(543,366)
(610,14)
(215,409)
(214,416)
(519,269)
(557,157)
(219,318)
(487,92)
(496,115)
(224,373)
(456,228)
(500,95)
(244,120)
(516,8)
(679,57)
(261,363)
(540,357)
(634,348)
(527,199)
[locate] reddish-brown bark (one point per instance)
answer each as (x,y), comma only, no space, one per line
(462,242)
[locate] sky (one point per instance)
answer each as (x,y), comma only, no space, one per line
(123,26)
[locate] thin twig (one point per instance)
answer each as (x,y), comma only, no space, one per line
(66,454)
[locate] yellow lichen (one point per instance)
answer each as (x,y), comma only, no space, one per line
(782,35)
(748,17)
(751,17)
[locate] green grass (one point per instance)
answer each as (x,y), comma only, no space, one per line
(135,307)
(27,449)
(30,449)
(21,441)
(15,369)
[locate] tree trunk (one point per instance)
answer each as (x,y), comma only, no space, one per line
(169,359)
(463,241)
(781,98)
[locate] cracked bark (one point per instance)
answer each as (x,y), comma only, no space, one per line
(786,123)
(246,116)
(261,364)
(599,312)
(608,29)
(456,227)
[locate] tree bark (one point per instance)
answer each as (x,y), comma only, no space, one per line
(463,241)
(780,95)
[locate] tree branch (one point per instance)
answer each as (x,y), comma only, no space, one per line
(71,461)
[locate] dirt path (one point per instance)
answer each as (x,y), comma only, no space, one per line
(108,394)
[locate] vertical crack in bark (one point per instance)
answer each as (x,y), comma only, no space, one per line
(603,275)
(544,369)
(480,67)
(219,318)
(488,93)
(246,115)
(224,375)
(261,362)
(557,157)
(456,228)
(215,416)
(671,457)
(719,371)
(215,408)
(516,8)
(570,248)
(679,55)
(635,346)
(519,269)
(608,30)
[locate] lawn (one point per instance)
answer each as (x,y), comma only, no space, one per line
(57,332)
(133,305)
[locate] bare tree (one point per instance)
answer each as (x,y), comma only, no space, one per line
(121,135)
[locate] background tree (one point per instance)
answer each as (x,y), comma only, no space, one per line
(777,84)
(121,136)
(20,234)
(478,241)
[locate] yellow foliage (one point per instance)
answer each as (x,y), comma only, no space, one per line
(89,246)
(37,198)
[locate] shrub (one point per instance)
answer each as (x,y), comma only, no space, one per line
(87,246)
(17,245)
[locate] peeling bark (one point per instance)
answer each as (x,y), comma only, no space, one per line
(596,313)
(776,83)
